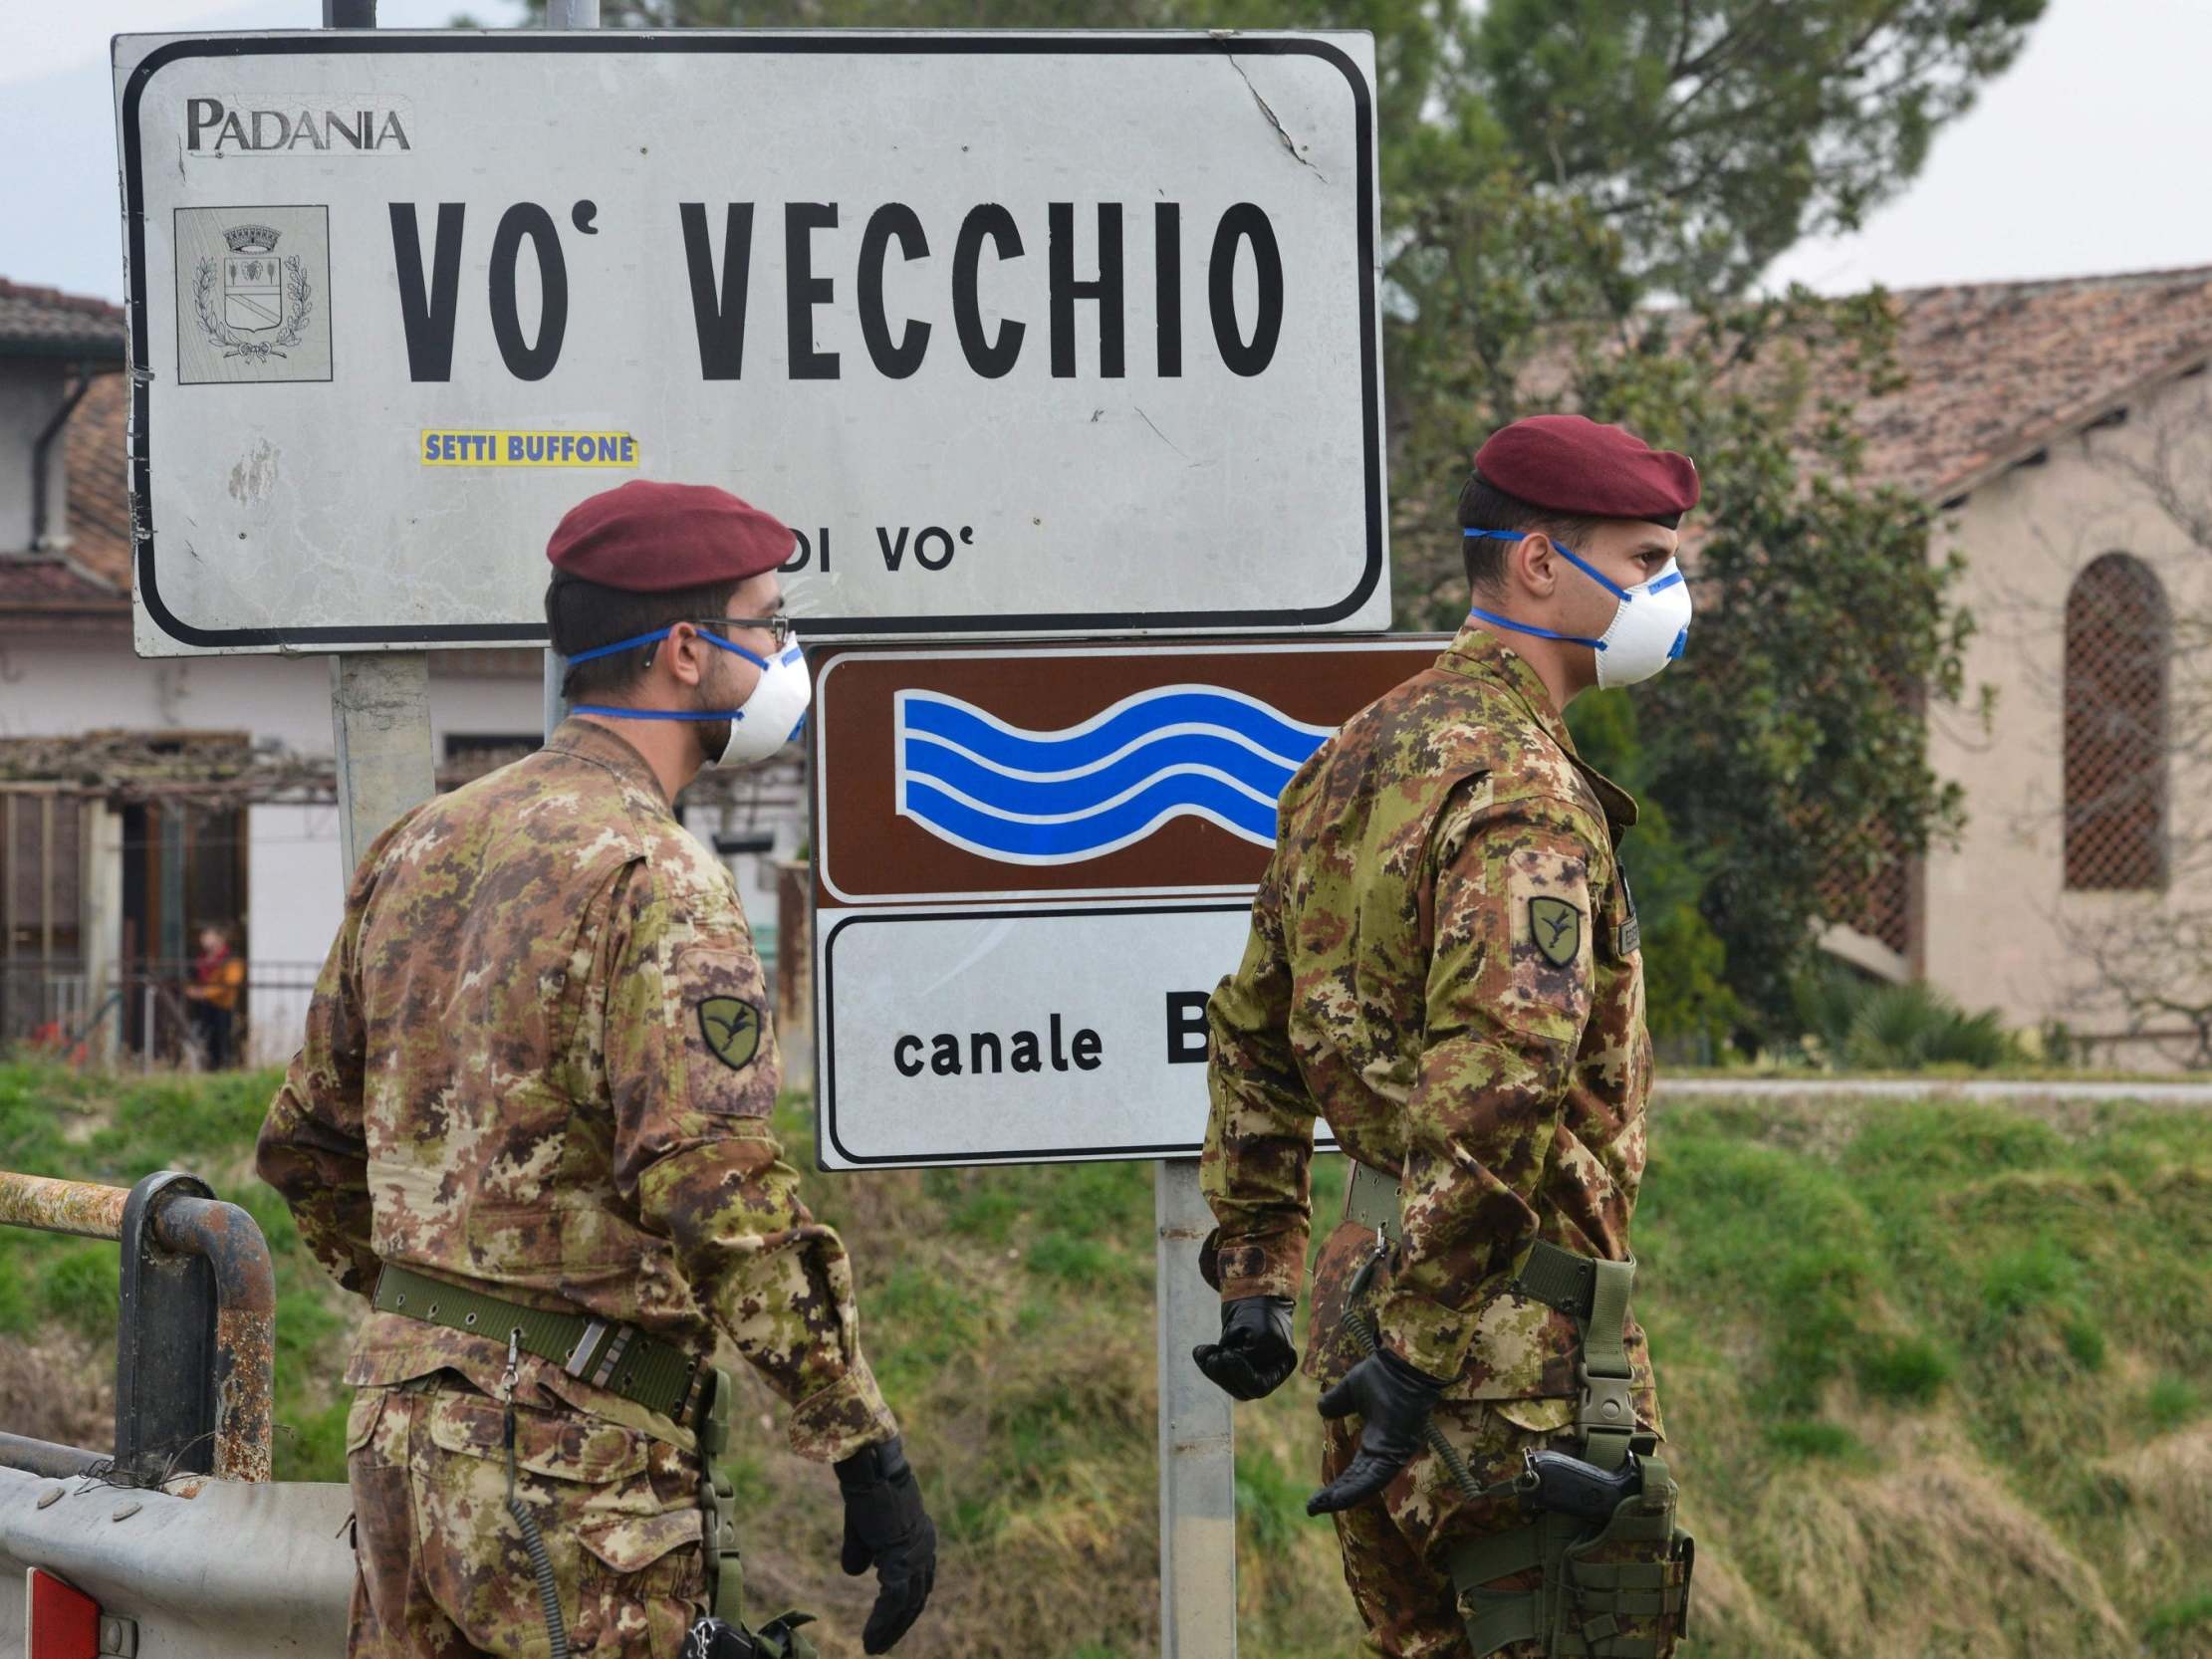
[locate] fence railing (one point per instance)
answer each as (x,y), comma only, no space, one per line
(143,1014)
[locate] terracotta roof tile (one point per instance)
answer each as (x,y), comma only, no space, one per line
(1994,368)
(99,494)
(52,584)
(47,321)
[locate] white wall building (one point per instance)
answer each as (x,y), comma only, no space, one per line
(127,815)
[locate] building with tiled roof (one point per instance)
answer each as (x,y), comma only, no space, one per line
(55,349)
(46,322)
(1998,370)
(99,487)
(2064,428)
(140,800)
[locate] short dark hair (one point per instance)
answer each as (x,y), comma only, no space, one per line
(1483,506)
(581,615)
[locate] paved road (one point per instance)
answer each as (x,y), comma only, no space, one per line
(1962,1088)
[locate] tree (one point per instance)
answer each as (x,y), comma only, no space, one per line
(1552,167)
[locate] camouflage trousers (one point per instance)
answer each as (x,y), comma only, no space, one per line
(441,1571)
(1396,1546)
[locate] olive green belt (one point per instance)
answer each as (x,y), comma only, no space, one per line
(619,1358)
(1556,1278)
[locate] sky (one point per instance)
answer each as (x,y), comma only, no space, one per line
(2085,156)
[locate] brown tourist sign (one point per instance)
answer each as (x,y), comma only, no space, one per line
(1031,865)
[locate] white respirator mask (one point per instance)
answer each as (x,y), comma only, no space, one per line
(774,712)
(1650,622)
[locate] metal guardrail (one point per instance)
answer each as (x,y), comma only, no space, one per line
(238,1570)
(195,1336)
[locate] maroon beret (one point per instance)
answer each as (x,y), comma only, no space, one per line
(1573,465)
(648,538)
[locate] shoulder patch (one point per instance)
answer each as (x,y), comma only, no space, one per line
(1555,928)
(730,1027)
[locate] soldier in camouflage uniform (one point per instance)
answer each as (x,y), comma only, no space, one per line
(1444,964)
(539,1068)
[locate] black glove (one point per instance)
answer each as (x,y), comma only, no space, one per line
(885,1529)
(1254,1355)
(1394,1399)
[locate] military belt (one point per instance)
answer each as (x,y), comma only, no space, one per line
(619,1358)
(1556,1278)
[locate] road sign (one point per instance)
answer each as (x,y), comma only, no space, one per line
(1046,334)
(1054,771)
(1031,865)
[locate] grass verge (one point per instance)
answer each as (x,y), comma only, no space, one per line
(1933,1371)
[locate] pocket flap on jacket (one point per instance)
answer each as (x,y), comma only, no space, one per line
(631,1543)
(560,1445)
(362,1418)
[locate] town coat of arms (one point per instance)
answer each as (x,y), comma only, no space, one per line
(252,302)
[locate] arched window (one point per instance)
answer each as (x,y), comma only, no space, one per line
(2116,643)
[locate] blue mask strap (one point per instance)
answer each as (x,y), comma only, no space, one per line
(1604,580)
(619,645)
(662,633)
(1497,621)
(605,712)
(608,713)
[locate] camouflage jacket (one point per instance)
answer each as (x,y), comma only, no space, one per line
(1443,964)
(538,1063)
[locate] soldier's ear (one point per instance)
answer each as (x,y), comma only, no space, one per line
(685,655)
(1533,564)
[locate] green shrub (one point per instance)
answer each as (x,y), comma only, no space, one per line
(1905,1371)
(1271,1504)
(2170,1403)
(2039,1275)
(2176,1616)
(1870,1024)
(1810,1440)
(2083,1339)
(78,1289)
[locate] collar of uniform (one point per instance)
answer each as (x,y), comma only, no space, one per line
(588,740)
(1478,654)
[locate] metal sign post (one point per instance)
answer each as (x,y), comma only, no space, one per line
(379,706)
(1197,1445)
(381,723)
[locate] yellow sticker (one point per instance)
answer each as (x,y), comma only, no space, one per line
(480,447)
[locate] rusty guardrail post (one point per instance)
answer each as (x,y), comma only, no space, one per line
(242,1379)
(195,1344)
(195,1339)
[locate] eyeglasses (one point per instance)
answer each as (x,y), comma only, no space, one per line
(778,626)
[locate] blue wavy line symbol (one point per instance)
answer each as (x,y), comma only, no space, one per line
(1023,796)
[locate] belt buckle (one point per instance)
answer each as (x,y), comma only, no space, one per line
(598,1351)
(1608,1402)
(580,1357)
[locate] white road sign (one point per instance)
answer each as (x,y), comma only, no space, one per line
(1048,334)
(1018,1035)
